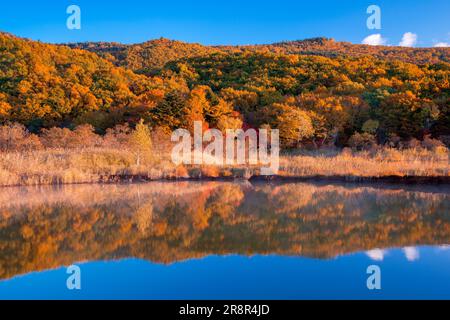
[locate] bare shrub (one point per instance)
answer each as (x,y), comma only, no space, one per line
(31,142)
(161,140)
(362,141)
(431,144)
(117,136)
(15,137)
(414,143)
(57,138)
(445,140)
(394,141)
(84,136)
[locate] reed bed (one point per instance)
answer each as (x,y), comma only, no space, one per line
(97,165)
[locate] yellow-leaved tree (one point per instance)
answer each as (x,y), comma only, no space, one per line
(141,142)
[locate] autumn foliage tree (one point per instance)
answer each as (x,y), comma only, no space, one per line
(333,87)
(140,142)
(294,124)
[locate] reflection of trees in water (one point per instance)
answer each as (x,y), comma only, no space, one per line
(44,228)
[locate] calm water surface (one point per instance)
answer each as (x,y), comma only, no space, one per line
(220,240)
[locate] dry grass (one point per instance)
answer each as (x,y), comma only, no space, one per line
(382,162)
(94,165)
(59,166)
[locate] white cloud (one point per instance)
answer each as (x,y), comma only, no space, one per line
(374,40)
(409,40)
(442,45)
(376,254)
(411,253)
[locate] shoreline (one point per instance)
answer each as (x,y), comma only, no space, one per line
(393,179)
(112,165)
(133,179)
(433,180)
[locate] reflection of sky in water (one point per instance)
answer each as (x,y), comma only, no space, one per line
(407,273)
(204,232)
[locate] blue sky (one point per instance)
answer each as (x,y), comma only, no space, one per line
(227,22)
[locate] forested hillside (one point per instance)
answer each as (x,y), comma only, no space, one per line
(146,57)
(150,56)
(315,91)
(330,48)
(45,85)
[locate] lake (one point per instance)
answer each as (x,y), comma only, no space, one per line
(225,240)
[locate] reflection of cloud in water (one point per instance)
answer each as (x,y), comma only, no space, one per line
(411,253)
(376,254)
(165,222)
